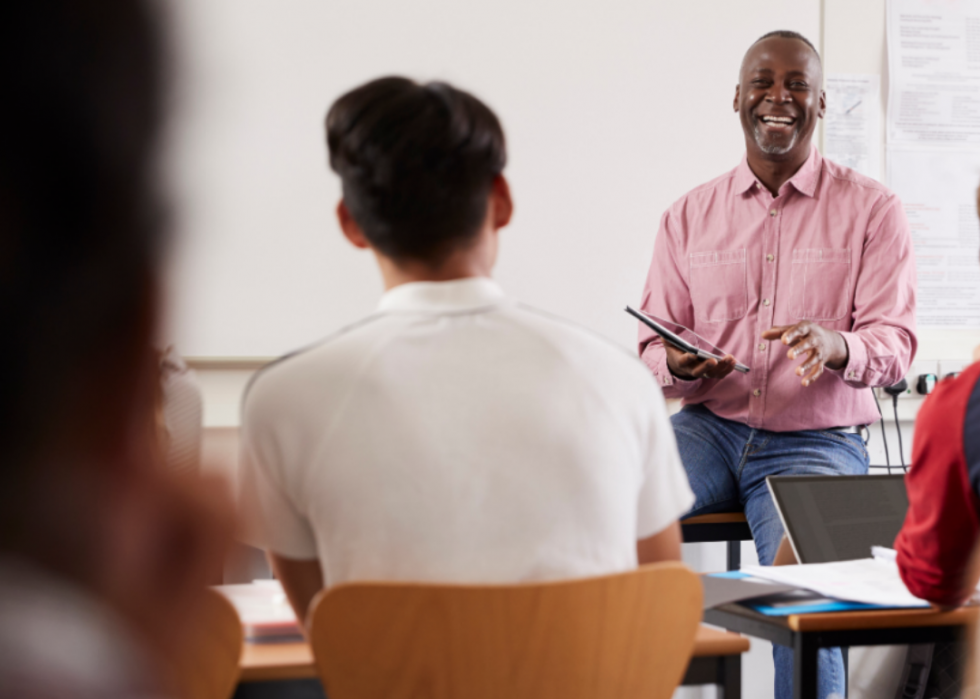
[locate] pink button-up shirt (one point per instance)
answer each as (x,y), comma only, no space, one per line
(732,261)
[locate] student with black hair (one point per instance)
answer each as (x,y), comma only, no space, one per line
(103,555)
(454,435)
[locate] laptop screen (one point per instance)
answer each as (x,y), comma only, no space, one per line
(839,518)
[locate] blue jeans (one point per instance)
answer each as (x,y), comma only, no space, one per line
(727,464)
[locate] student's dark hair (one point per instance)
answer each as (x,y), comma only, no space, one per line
(417,163)
(79,222)
(787,34)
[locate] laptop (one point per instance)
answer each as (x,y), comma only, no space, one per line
(839,518)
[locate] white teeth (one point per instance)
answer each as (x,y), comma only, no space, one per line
(777,120)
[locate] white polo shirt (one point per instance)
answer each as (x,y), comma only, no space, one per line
(458,436)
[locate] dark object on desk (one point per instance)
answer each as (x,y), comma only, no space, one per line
(281,689)
(839,518)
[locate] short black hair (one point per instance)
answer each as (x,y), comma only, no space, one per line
(788,34)
(80,230)
(417,162)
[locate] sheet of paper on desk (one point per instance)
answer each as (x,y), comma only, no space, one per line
(735,586)
(868,580)
(263,608)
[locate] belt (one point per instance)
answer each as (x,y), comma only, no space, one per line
(856,429)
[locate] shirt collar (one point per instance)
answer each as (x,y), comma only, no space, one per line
(443,297)
(804,181)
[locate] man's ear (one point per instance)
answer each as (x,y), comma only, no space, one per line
(352,231)
(823,104)
(501,205)
(735,101)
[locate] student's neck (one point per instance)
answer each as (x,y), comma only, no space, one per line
(461,265)
(774,173)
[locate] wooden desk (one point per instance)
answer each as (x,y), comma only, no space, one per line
(261,662)
(807,633)
(717,659)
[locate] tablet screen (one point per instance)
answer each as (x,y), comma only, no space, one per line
(839,518)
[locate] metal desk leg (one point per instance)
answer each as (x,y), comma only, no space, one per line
(731,679)
(804,667)
(734,555)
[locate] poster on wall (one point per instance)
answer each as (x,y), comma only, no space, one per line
(934,72)
(852,124)
(942,212)
(933,138)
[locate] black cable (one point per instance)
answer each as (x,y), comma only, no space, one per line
(884,439)
(898,428)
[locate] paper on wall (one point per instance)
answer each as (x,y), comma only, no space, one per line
(934,72)
(938,191)
(852,124)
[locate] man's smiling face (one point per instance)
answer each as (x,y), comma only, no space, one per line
(779,98)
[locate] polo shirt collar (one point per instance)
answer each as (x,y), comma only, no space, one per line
(443,297)
(804,181)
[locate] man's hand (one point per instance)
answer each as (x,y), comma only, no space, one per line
(685,365)
(822,347)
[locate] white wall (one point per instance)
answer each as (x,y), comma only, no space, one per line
(612,111)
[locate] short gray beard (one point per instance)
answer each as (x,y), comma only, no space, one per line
(773,149)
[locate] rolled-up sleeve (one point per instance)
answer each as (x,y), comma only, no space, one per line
(881,343)
(665,295)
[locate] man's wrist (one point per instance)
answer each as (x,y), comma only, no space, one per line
(843,353)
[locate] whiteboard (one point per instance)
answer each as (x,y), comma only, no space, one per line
(612,111)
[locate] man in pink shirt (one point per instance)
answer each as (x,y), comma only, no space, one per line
(803,270)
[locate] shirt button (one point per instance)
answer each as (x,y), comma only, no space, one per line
(762,347)
(757,393)
(773,213)
(765,302)
(770,258)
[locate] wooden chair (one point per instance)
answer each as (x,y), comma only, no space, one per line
(210,667)
(731,527)
(623,636)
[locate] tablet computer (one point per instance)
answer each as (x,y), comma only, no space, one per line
(679,342)
(839,518)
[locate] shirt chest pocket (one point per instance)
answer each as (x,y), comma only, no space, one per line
(719,288)
(821,283)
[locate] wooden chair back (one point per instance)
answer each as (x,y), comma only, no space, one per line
(209,668)
(625,635)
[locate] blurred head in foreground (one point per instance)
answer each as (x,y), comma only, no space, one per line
(85,518)
(421,171)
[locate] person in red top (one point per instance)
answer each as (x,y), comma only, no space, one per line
(943,520)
